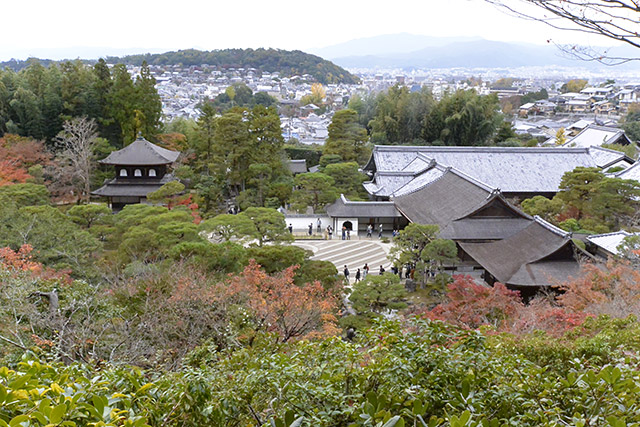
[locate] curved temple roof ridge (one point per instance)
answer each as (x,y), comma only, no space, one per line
(559,231)
(141,152)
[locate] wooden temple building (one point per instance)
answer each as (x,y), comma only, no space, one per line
(466,192)
(141,168)
(520,172)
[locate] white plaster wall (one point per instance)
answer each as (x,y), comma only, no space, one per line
(339,223)
(300,224)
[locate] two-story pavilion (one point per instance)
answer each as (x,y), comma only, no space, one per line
(141,168)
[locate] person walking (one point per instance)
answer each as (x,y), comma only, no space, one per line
(348,234)
(319,225)
(365,270)
(369,230)
(380,232)
(290,229)
(310,229)
(346,273)
(330,231)
(382,270)
(358,276)
(344,232)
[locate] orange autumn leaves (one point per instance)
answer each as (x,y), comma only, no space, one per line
(17,155)
(21,261)
(273,303)
(613,290)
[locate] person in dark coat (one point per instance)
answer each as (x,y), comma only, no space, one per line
(358,276)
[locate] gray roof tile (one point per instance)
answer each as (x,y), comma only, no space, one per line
(139,153)
(511,169)
(343,208)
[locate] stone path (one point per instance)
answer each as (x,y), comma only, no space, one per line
(353,253)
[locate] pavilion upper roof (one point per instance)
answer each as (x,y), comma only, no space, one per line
(140,153)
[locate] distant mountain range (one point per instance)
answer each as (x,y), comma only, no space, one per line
(409,51)
(386,45)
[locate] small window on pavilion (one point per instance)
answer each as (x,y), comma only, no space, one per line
(137,172)
(152,172)
(123,172)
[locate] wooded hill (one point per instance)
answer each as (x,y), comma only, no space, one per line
(287,63)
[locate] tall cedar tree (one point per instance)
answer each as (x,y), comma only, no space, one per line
(148,103)
(347,138)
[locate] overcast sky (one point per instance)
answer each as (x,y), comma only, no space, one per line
(34,27)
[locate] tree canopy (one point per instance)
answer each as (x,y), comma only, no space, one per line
(347,138)
(37,100)
(287,63)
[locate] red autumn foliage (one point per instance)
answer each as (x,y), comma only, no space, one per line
(543,313)
(12,174)
(173,141)
(272,303)
(17,154)
(192,206)
(472,305)
(21,260)
(279,305)
(26,151)
(613,289)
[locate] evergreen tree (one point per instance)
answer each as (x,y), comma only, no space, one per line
(313,189)
(148,102)
(348,179)
(102,87)
(26,109)
(400,116)
(347,138)
(232,149)
(205,134)
(463,118)
(266,138)
(122,104)
(52,102)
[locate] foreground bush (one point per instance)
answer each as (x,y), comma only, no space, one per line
(415,372)
(36,394)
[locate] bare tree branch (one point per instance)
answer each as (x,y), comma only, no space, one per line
(77,140)
(7,340)
(614,19)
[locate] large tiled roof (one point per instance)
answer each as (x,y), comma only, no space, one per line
(483,228)
(494,219)
(343,208)
(633,172)
(140,153)
(594,135)
(511,169)
(538,255)
(609,241)
(297,166)
(605,157)
(447,198)
(119,187)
